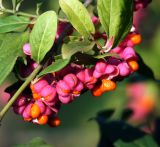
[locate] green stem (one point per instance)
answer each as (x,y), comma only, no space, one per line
(19,91)
(18,13)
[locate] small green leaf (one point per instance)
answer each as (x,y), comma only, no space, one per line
(43,35)
(13,23)
(10,49)
(78,16)
(73,47)
(54,67)
(116,18)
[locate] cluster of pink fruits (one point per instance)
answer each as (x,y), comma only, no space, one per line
(48,93)
(51,91)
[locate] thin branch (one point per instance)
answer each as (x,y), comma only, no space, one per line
(19,91)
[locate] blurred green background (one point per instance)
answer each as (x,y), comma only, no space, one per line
(76,130)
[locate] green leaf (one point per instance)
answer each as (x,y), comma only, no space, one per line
(71,48)
(103,7)
(10,48)
(54,67)
(36,142)
(43,35)
(13,23)
(78,16)
(116,18)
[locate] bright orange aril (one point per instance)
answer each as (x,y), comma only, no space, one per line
(35,111)
(107,85)
(42,120)
(97,91)
(36,96)
(133,65)
(136,39)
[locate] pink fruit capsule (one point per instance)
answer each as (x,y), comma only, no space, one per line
(48,90)
(62,88)
(26,112)
(51,98)
(81,76)
(100,66)
(79,86)
(65,100)
(97,74)
(112,73)
(78,89)
(89,75)
(38,86)
(129,53)
(124,69)
(109,69)
(71,80)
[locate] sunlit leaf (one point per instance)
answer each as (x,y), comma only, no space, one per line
(78,16)
(43,35)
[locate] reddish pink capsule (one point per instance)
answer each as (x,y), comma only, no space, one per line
(109,69)
(48,93)
(39,85)
(66,100)
(26,112)
(62,88)
(71,80)
(81,76)
(77,90)
(100,66)
(129,53)
(90,80)
(97,74)
(124,69)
